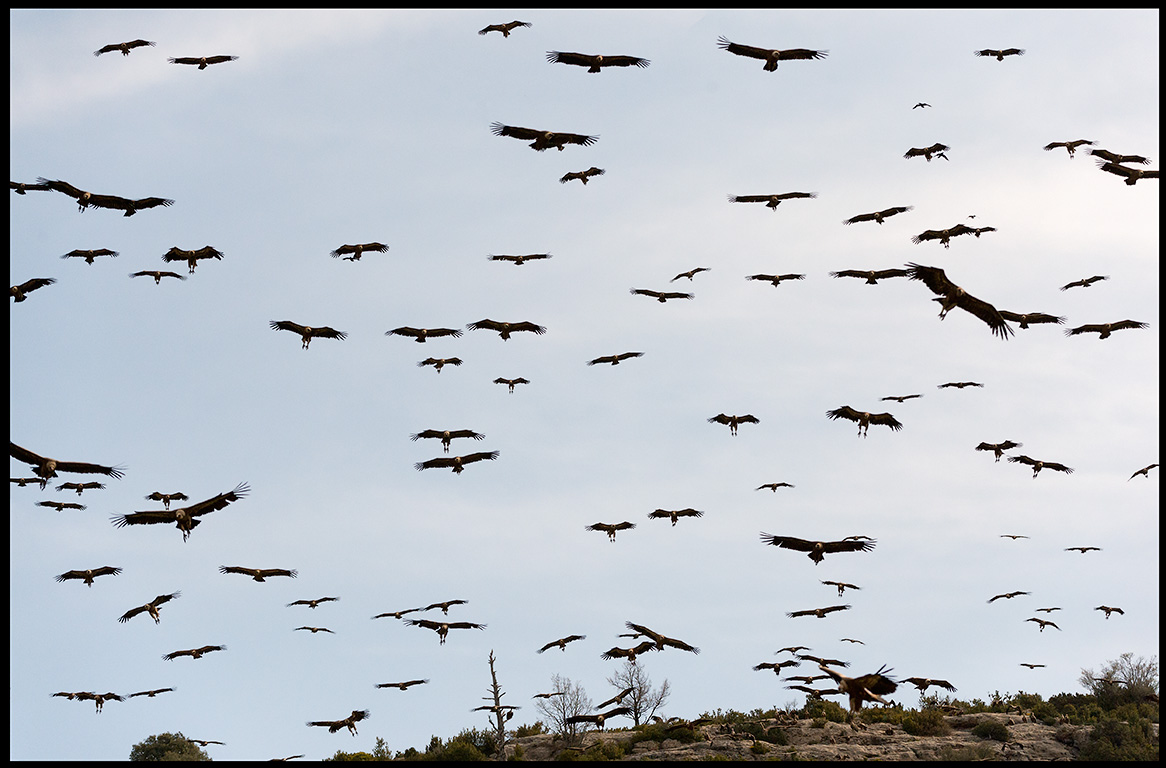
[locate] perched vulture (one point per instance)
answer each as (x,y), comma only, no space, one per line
(404,685)
(900,398)
(936,149)
(921,104)
(79,487)
(1013,536)
(520,259)
(150,607)
(48,468)
(421,334)
(879,216)
(192,257)
(88,575)
(616,699)
(923,683)
(734,421)
(818,612)
(1131,174)
(594,62)
(447,435)
(444,605)
(769,56)
(313,603)
(184,517)
(456,463)
(157,274)
(871,276)
(870,687)
(258,574)
(443,627)
(1000,54)
(1037,466)
(307,332)
(125,48)
(1113,157)
(561,644)
(150,694)
(20,292)
(203,62)
(1084,282)
(842,586)
(1044,624)
(851,640)
(674,514)
(817,549)
(511,382)
(1144,472)
(959,384)
(1047,610)
(864,419)
(773,486)
(543,140)
(166,498)
(439,362)
(690,273)
(629,653)
(775,279)
(85,199)
(660,296)
(818,660)
(1008,596)
(614,359)
(582,176)
(598,719)
(396,614)
(1082,550)
(505,329)
(1031,317)
(610,528)
(314,630)
(944,236)
(998,448)
(1105,329)
(60,506)
(349,722)
(661,641)
(1108,610)
(20,187)
(504,28)
(1071,146)
(771,201)
(952,296)
(354,252)
(91,255)
(1031,666)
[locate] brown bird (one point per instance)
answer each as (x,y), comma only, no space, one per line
(616,699)
(1071,146)
(157,274)
(421,334)
(871,276)
(456,463)
(150,694)
(689,274)
(258,574)
(1082,550)
(674,514)
(998,448)
(793,649)
(851,640)
(396,614)
(447,435)
(89,574)
(879,216)
(944,236)
(519,259)
(125,48)
(1047,610)
(46,468)
(595,62)
(184,518)
(1113,157)
(443,627)
(776,666)
(1105,328)
(660,640)
(1084,282)
(921,104)
(307,332)
(817,549)
(79,487)
(614,359)
(598,719)
(1031,666)
(818,612)
(549,695)
(511,382)
(444,606)
(166,498)
(960,384)
(807,679)
(404,685)
(865,419)
(773,486)
(354,252)
(819,660)
(1031,317)
(314,630)
(977,231)
(771,201)
(99,698)
(770,56)
(202,61)
(23,481)
(561,644)
(313,603)
(660,296)
(815,693)
(60,506)
(842,586)
(192,257)
(21,188)
(1044,624)
(203,743)
(1037,466)
(734,421)
(439,362)
(85,199)
(952,296)
(1144,472)
(862,689)
(1013,536)
(775,279)
(505,329)
(1000,54)
(150,607)
(91,255)
(900,398)
(349,722)
(1008,596)
(20,292)
(1108,610)
(543,140)
(936,149)
(504,28)
(610,528)
(923,683)
(1131,175)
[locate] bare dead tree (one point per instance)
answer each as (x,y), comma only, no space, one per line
(557,709)
(640,696)
(500,711)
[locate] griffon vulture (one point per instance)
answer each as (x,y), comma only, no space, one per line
(258,574)
(1131,175)
(600,718)
(79,487)
(88,575)
(307,332)
(1084,282)
(396,614)
(771,201)
(923,683)
(314,630)
(404,686)
(614,359)
(689,274)
(660,640)
(504,28)
(1037,466)
(870,687)
(166,498)
(1044,624)
(313,603)
(150,607)
(1013,536)
(125,48)
(543,140)
(879,216)
(733,421)
(819,660)
(1105,329)
(900,398)
(183,517)
(20,187)
(944,236)
(594,62)
(439,362)
(20,292)
(23,481)
(354,252)
(150,694)
(518,259)
(773,486)
(629,653)
(1008,596)
(851,640)
(99,698)
(157,274)
(794,649)
(674,514)
(349,722)
(771,56)
(444,605)
(582,176)
(61,506)
(610,528)
(920,104)
(443,627)
(817,549)
(1047,610)
(660,296)
(47,468)
(505,329)
(864,419)
(998,448)
(775,279)
(85,199)
(447,435)
(91,255)
(202,61)
(1144,472)
(1113,157)
(959,384)
(421,334)
(1071,146)
(1082,550)
(936,149)
(842,586)
(1031,317)
(776,666)
(192,257)
(1031,666)
(1000,54)
(871,276)
(1108,610)
(561,644)
(818,612)
(511,382)
(456,463)
(952,296)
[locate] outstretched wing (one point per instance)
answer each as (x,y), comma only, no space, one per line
(215,503)
(742,50)
(514,131)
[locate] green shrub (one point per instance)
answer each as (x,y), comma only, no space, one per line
(759,748)
(461,751)
(991,729)
(929,722)
(969,753)
(828,710)
(1118,740)
(530,730)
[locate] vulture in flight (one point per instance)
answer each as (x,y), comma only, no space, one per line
(442,628)
(771,201)
(616,699)
(773,486)
(543,140)
(98,698)
(900,398)
(660,296)
(1131,174)
(1037,466)
(20,292)
(921,104)
(674,514)
(61,506)
(549,695)
(942,235)
(404,686)
(862,689)
(817,549)
(871,276)
(661,641)
(820,661)
(852,640)
(504,28)
(582,176)
(610,528)
(349,722)
(614,359)
(313,603)
(91,255)
(1082,550)
(775,279)
(1008,596)
(258,574)
(879,216)
(1031,666)
(1047,610)
(1044,624)
(594,62)
(157,274)
(1108,610)
(185,518)
(1031,317)
(1105,329)
(1071,146)
(952,296)
(1000,54)
(150,694)
(307,332)
(421,334)
(923,683)
(794,649)
(314,630)
(998,448)
(769,55)
(447,435)
(125,48)
(150,607)
(1113,157)
(936,149)
(561,644)
(444,605)
(166,498)
(865,419)
(47,468)
(88,575)
(21,188)
(85,199)
(1014,537)
(23,481)
(842,586)
(959,384)
(519,259)
(192,257)
(439,362)
(202,61)
(456,463)
(1084,282)
(818,612)
(354,252)
(511,382)
(600,718)
(629,653)
(977,231)
(203,743)
(505,329)
(776,666)
(689,274)
(734,421)
(1144,472)
(396,614)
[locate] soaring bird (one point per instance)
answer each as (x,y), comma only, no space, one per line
(518,259)
(1047,610)
(944,236)
(21,188)
(674,514)
(1037,466)
(926,153)
(977,231)
(610,528)
(817,549)
(166,498)
(313,603)
(439,362)
(396,614)
(1044,624)
(1071,146)
(1082,550)
(157,274)
(307,332)
(614,359)
(89,574)
(444,605)
(443,627)
(543,140)
(818,612)
(20,292)
(775,279)
(862,689)
(998,448)
(865,419)
(404,686)
(771,56)
(842,586)
(598,719)
(561,644)
(771,201)
(629,653)
(1108,610)
(505,329)
(192,257)
(125,48)
(1144,472)
(456,463)
(734,421)
(1131,175)
(959,384)
(85,199)
(504,28)
(184,518)
(1008,596)
(98,698)
(421,334)
(1113,157)
(24,481)
(150,608)
(1105,329)
(952,296)
(314,630)
(871,276)
(851,640)
(549,695)
(794,649)
(773,486)
(447,435)
(900,398)
(349,722)
(921,104)
(661,641)
(582,176)
(258,574)
(819,660)
(202,61)
(1084,282)
(204,742)
(660,296)
(594,62)
(354,252)
(689,274)
(1031,317)
(60,506)
(1013,536)
(47,468)
(807,679)
(79,487)
(616,699)
(91,255)
(1000,54)
(511,382)
(150,694)
(1031,666)
(923,683)
(879,216)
